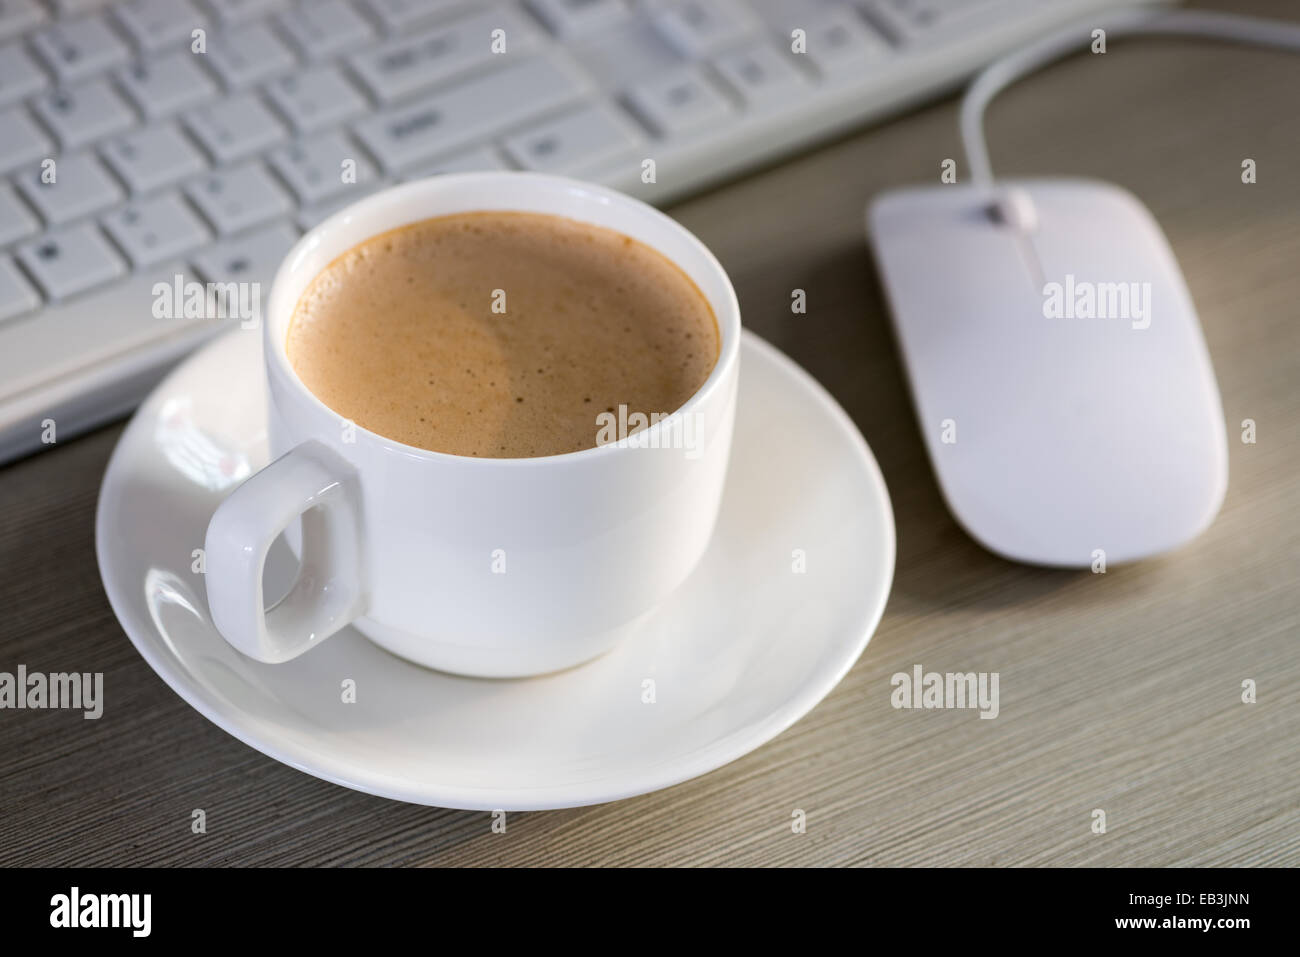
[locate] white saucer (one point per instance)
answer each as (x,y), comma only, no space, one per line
(743,650)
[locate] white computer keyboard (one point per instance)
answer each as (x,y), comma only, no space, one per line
(208,164)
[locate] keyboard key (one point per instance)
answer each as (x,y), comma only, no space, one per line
(248,55)
(20,75)
(77,49)
(679,102)
(698,29)
(922,21)
(466,161)
(469,111)
(153,157)
(81,187)
(402,67)
(626,54)
(234,199)
(161,85)
(398,15)
(578,18)
(23,141)
(71,261)
(311,216)
(251,258)
(15,221)
(63,9)
(16,294)
(156,229)
(81,114)
(19,16)
(154,24)
(591,136)
(241,11)
(842,47)
(235,128)
(325,27)
(314,99)
(314,168)
(763,76)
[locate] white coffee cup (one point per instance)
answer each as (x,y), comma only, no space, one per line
(479,566)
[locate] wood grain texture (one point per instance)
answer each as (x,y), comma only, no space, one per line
(1119,692)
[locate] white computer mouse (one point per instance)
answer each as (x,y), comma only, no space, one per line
(1057,366)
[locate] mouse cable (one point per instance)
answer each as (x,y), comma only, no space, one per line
(1254,31)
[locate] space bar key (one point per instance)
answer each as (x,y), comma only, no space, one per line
(470,112)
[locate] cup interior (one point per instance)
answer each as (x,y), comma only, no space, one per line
(497,191)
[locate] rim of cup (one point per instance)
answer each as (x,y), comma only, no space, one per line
(726,314)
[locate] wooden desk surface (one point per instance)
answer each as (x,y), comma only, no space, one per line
(1119,692)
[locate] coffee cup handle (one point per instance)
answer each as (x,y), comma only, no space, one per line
(314,481)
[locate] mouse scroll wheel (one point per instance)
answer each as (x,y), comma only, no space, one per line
(1014,208)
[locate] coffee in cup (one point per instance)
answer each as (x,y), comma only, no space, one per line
(501,334)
